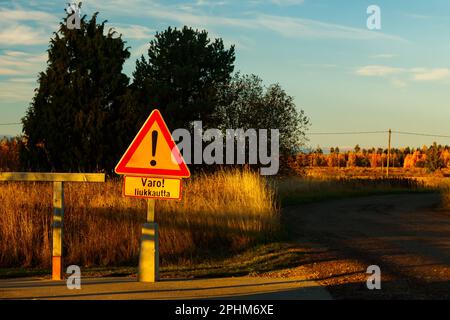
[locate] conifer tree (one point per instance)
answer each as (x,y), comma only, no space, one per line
(77,118)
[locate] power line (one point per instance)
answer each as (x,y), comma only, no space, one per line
(10,124)
(354,132)
(422,134)
(377,132)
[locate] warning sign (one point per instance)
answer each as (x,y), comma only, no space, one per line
(153,152)
(147,187)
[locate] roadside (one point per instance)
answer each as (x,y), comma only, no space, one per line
(240,288)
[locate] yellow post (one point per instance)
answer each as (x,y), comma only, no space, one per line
(58,215)
(150,210)
(149,252)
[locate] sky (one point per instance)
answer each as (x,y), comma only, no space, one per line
(343,75)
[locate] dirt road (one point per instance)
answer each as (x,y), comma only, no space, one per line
(407,236)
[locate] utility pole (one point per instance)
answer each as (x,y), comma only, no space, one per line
(389,153)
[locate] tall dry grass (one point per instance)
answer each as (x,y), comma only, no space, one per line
(295,190)
(220,213)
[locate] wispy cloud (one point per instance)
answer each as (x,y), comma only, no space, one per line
(23,80)
(397,83)
(417,16)
(288,2)
(25,27)
(13,91)
(19,72)
(26,15)
(216,3)
(383,56)
(377,71)
(292,27)
(408,74)
(6,71)
(132,31)
(206,3)
(22,63)
(22,35)
(139,51)
(306,28)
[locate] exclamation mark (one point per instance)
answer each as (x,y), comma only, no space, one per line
(154,142)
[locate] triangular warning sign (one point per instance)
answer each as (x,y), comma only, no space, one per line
(153,152)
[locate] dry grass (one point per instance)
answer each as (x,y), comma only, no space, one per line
(297,190)
(444,187)
(220,214)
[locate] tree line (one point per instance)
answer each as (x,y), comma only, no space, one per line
(86,110)
(432,157)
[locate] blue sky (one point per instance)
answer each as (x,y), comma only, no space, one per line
(345,77)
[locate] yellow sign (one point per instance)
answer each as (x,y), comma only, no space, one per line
(148,187)
(153,152)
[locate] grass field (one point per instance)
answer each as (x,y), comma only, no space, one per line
(300,190)
(225,212)
(218,227)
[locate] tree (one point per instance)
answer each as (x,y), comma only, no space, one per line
(9,154)
(247,103)
(182,77)
(433,160)
(76,119)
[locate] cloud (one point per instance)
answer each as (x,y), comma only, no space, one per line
(207,3)
(417,16)
(215,3)
(139,51)
(23,80)
(411,74)
(431,74)
(307,28)
(11,91)
(398,83)
(383,56)
(25,27)
(5,71)
(23,63)
(378,71)
(288,2)
(291,27)
(13,53)
(22,35)
(26,15)
(132,31)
